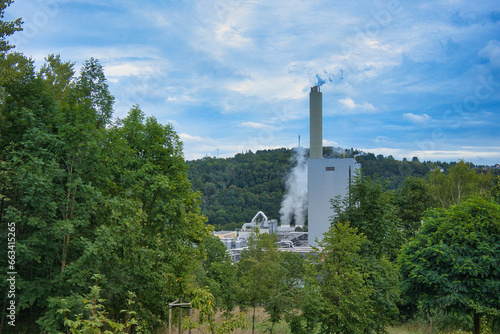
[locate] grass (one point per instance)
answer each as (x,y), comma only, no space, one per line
(261,324)
(409,329)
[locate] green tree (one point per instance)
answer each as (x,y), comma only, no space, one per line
(87,198)
(204,301)
(412,200)
(219,274)
(371,210)
(260,273)
(495,190)
(459,184)
(58,78)
(308,299)
(7,28)
(285,278)
(93,91)
(347,306)
(452,263)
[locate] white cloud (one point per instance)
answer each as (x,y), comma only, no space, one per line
(381,139)
(128,69)
(282,87)
(418,119)
(350,104)
(331,143)
(255,125)
(187,138)
(492,53)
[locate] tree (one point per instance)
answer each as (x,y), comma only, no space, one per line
(347,306)
(370,209)
(412,200)
(458,185)
(93,90)
(7,28)
(308,299)
(219,274)
(88,197)
(58,78)
(261,274)
(204,301)
(452,263)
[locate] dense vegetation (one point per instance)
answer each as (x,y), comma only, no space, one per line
(108,230)
(235,189)
(83,195)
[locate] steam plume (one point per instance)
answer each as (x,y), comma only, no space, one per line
(328,78)
(323,80)
(294,204)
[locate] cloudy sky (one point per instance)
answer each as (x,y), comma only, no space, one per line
(401,78)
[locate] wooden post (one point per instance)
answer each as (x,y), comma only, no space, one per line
(180,315)
(178,303)
(190,315)
(170,319)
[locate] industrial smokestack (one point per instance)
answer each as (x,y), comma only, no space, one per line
(316,123)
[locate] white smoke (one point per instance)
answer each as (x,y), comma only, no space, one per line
(294,204)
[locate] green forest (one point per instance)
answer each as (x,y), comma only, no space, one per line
(233,190)
(105,226)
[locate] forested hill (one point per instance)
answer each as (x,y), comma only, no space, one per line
(235,189)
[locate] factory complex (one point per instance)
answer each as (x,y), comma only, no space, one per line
(326,179)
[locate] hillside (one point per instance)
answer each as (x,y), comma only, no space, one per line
(235,189)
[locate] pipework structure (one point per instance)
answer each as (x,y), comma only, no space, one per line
(326,178)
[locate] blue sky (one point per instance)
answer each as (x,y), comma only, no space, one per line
(403,78)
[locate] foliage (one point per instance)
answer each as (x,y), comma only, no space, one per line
(309,301)
(90,196)
(219,274)
(459,184)
(96,319)
(204,301)
(267,277)
(347,307)
(7,28)
(392,171)
(234,189)
(371,210)
(412,200)
(453,262)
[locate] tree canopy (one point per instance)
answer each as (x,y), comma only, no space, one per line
(453,262)
(91,196)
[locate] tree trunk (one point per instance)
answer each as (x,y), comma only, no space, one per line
(64,252)
(477,323)
(3,311)
(253,317)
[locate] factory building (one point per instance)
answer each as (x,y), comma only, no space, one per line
(288,239)
(327,178)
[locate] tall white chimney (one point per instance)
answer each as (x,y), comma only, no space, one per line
(316,123)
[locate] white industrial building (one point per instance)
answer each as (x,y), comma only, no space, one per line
(327,178)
